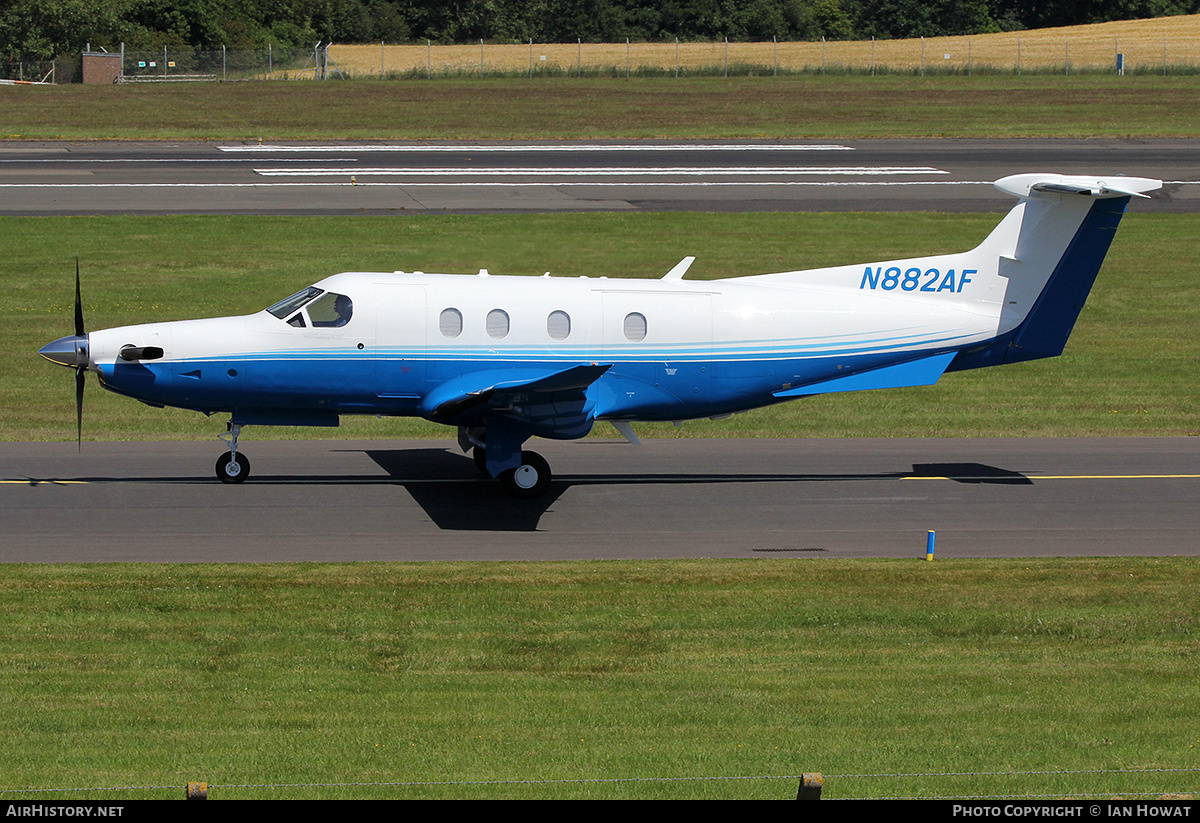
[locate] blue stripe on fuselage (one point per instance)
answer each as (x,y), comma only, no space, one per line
(648,389)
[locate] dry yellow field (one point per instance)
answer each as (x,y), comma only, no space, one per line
(1146,44)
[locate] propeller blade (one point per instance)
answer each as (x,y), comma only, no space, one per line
(78,303)
(79,381)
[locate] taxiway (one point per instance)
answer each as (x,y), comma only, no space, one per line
(422,500)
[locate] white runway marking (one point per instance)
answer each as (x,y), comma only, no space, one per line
(88,160)
(500,184)
(519,148)
(616,171)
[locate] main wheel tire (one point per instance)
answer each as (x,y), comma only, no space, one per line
(479,455)
(529,480)
(231,470)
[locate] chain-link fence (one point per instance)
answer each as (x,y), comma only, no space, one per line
(1015,53)
(63,70)
(1163,46)
(182,64)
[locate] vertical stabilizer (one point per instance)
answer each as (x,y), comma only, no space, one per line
(1048,324)
(1050,248)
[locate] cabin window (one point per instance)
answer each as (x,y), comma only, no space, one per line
(497,323)
(289,304)
(558,325)
(298,320)
(330,310)
(450,323)
(635,327)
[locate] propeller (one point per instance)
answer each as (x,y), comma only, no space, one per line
(80,368)
(73,353)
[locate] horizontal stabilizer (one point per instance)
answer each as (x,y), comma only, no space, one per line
(1033,185)
(923,372)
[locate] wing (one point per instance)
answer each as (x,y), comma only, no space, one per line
(551,403)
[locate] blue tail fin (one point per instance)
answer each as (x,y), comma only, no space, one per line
(1050,250)
(1049,323)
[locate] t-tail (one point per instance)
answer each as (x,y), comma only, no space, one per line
(1014,297)
(1047,253)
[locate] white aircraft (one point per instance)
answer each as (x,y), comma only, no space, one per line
(505,359)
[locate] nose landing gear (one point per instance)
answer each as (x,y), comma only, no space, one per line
(232,467)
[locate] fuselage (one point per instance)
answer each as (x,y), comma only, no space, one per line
(678,349)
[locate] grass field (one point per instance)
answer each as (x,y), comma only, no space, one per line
(276,680)
(1148,45)
(1128,369)
(837,108)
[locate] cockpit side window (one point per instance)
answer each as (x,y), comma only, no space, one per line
(288,305)
(330,310)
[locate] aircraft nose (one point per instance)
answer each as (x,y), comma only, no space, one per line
(67,351)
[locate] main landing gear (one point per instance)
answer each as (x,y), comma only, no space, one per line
(527,480)
(232,467)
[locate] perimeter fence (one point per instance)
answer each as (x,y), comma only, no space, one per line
(1043,52)
(1162,46)
(62,70)
(226,64)
(183,64)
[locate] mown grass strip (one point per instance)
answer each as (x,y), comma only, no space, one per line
(1128,369)
(808,107)
(276,678)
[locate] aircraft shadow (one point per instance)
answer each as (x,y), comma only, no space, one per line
(970,473)
(483,506)
(457,497)
(435,478)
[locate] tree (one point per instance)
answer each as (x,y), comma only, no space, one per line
(922,18)
(44,29)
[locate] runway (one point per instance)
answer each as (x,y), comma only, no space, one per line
(397,178)
(422,500)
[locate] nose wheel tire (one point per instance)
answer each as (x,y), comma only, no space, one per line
(233,468)
(529,480)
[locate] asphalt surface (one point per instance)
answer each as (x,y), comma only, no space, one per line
(422,500)
(734,498)
(381,178)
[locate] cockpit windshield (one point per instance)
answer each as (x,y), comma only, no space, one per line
(288,305)
(330,309)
